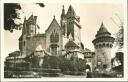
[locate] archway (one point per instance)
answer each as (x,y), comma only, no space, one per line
(88,68)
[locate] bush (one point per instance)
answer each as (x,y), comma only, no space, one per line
(51,62)
(8,74)
(73,65)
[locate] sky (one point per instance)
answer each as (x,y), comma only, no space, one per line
(91,17)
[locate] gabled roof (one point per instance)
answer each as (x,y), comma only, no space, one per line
(54,22)
(71,44)
(32,19)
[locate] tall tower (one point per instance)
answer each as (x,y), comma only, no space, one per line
(31,26)
(103,44)
(70,23)
(29,30)
(63,22)
(22,39)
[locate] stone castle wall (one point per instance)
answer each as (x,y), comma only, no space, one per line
(102,57)
(33,42)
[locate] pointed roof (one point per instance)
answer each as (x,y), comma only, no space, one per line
(71,44)
(71,10)
(103,30)
(32,19)
(103,35)
(54,22)
(63,12)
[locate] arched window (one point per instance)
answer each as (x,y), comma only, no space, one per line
(54,37)
(107,44)
(103,44)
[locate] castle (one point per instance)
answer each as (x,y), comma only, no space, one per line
(65,36)
(56,38)
(103,44)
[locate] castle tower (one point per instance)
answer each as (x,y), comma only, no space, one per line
(70,23)
(29,30)
(103,44)
(31,26)
(63,22)
(22,39)
(73,24)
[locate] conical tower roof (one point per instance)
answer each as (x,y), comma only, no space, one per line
(103,31)
(103,35)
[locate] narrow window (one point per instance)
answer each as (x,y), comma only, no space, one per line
(24,43)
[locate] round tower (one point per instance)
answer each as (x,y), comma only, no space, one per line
(103,44)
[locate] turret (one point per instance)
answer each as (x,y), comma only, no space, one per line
(63,22)
(103,44)
(22,39)
(31,26)
(29,30)
(63,13)
(73,25)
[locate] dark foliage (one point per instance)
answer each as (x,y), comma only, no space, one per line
(10,14)
(55,62)
(51,62)
(73,65)
(119,55)
(35,61)
(89,75)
